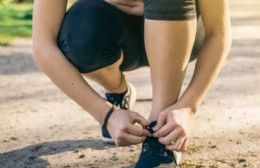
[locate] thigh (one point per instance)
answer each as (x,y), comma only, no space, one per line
(177,10)
(90,35)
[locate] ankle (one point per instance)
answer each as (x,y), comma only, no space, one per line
(121,88)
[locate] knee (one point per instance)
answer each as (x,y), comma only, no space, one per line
(82,25)
(85,35)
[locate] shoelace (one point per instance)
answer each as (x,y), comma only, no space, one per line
(152,146)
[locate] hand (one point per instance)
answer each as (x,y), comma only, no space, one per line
(127,128)
(132,7)
(172,127)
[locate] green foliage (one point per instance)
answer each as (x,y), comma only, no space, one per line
(14,1)
(15,20)
(5,1)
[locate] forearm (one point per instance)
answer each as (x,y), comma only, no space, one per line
(70,81)
(47,19)
(208,65)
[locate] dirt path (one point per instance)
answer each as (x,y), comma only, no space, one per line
(40,127)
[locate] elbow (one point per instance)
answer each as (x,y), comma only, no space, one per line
(223,37)
(227,41)
(41,55)
(226,37)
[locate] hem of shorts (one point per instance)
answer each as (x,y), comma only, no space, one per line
(168,17)
(108,63)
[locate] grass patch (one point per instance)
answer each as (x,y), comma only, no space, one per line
(15,21)
(190,165)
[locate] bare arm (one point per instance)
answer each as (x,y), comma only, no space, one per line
(48,15)
(216,19)
(173,122)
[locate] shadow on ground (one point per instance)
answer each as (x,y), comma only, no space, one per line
(29,156)
(15,64)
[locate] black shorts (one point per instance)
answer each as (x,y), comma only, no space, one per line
(170,9)
(94,33)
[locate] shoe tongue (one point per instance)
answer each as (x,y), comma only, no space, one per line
(115,98)
(150,126)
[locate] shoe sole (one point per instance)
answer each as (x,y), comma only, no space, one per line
(131,106)
(108,140)
(177,156)
(171,165)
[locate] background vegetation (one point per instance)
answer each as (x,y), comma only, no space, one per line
(16,19)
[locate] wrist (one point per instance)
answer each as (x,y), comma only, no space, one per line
(191,99)
(191,105)
(107,116)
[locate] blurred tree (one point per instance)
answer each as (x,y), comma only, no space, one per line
(20,1)
(5,1)
(15,1)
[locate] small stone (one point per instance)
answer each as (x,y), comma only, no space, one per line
(81,156)
(76,151)
(213,146)
(222,161)
(241,160)
(14,138)
(131,150)
(114,158)
(238,142)
(5,140)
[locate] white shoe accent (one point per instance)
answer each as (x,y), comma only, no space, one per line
(131,93)
(107,140)
(177,156)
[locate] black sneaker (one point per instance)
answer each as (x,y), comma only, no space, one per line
(124,101)
(155,155)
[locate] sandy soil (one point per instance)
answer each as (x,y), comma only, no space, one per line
(40,127)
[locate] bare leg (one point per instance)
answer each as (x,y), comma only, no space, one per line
(110,77)
(168,45)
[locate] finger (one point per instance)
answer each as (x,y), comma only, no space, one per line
(175,134)
(138,131)
(177,146)
(170,147)
(164,130)
(139,119)
(132,139)
(147,133)
(161,121)
(185,145)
